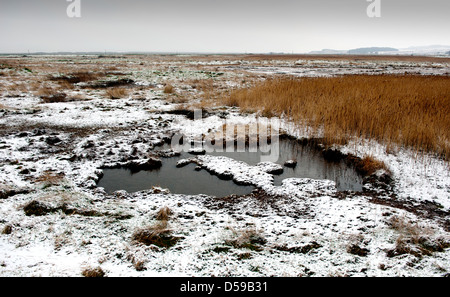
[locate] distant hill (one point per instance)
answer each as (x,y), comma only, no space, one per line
(371,50)
(356,51)
(430,50)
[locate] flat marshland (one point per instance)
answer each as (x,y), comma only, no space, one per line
(408,110)
(67,122)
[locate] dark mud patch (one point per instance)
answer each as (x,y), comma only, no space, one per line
(6,193)
(33,130)
(299,249)
(77,77)
(36,208)
(425,209)
(189,113)
(355,249)
(124,82)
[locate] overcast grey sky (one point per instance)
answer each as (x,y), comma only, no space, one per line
(220,25)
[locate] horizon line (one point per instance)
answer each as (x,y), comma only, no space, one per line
(106,53)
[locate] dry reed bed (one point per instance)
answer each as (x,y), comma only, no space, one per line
(408,110)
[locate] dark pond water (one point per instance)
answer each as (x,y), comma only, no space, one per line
(310,164)
(187,180)
(184,180)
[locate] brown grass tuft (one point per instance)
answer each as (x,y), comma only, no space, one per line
(49,178)
(66,85)
(93,272)
(169,89)
(50,95)
(45,91)
(158,234)
(116,93)
(369,165)
(7,230)
(164,214)
(77,77)
(409,110)
(415,239)
(247,238)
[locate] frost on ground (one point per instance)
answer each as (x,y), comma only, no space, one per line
(54,221)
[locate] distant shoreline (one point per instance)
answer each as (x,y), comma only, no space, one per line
(253,56)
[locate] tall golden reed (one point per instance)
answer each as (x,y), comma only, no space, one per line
(409,110)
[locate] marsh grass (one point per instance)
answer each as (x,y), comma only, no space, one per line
(164,214)
(93,272)
(159,233)
(64,85)
(408,110)
(249,238)
(116,93)
(169,89)
(7,230)
(369,165)
(51,95)
(415,239)
(77,77)
(49,178)
(45,92)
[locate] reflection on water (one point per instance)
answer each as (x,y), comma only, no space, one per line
(187,180)
(310,164)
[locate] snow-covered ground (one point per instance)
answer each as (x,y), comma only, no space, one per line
(53,153)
